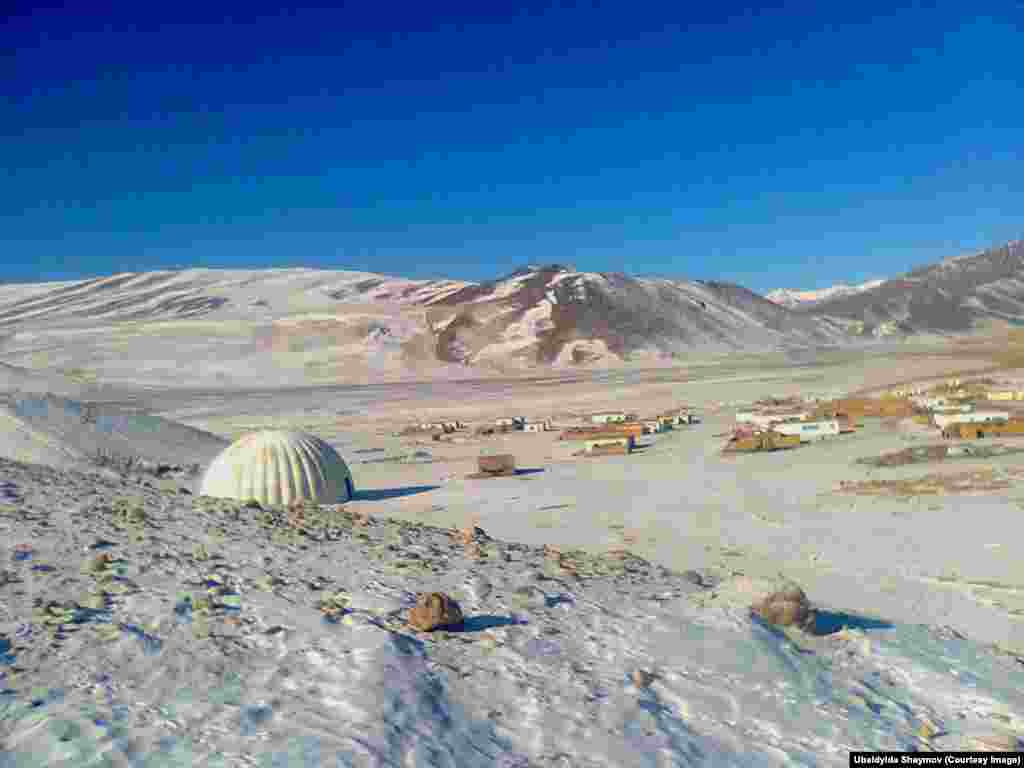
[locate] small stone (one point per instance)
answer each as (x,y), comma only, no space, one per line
(434,610)
(694,577)
(787,607)
(477,587)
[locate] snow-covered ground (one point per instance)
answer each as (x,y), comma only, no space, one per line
(565,659)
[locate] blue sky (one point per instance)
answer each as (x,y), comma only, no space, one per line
(798,144)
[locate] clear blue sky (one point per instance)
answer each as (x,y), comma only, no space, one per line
(795,145)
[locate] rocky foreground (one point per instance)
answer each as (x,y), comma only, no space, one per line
(141,625)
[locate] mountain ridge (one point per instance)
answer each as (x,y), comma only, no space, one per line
(333,325)
(951,296)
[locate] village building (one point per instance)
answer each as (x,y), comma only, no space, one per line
(809,431)
(943,420)
(859,407)
(537,425)
(1005,395)
(747,440)
(634,429)
(765,419)
(681,416)
(598,443)
(932,402)
(608,417)
(961,408)
(977,430)
(651,426)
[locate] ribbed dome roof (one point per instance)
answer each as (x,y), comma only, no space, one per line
(279,467)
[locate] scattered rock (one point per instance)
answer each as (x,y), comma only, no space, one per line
(476,587)
(377,604)
(700,579)
(531,595)
(434,610)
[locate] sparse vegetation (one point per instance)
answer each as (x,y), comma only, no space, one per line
(930,485)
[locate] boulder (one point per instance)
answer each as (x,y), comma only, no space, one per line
(786,607)
(503,463)
(434,610)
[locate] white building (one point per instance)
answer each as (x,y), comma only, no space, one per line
(534,426)
(765,420)
(809,430)
(965,408)
(942,420)
(931,403)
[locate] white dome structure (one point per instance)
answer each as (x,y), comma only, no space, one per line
(279,467)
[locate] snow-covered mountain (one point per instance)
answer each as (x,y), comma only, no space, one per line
(789,297)
(335,325)
(952,296)
(319,326)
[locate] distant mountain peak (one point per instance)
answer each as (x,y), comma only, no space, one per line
(529,269)
(788,297)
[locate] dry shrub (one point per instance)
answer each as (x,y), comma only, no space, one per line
(914,455)
(929,485)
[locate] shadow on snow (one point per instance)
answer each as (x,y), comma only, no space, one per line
(381,494)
